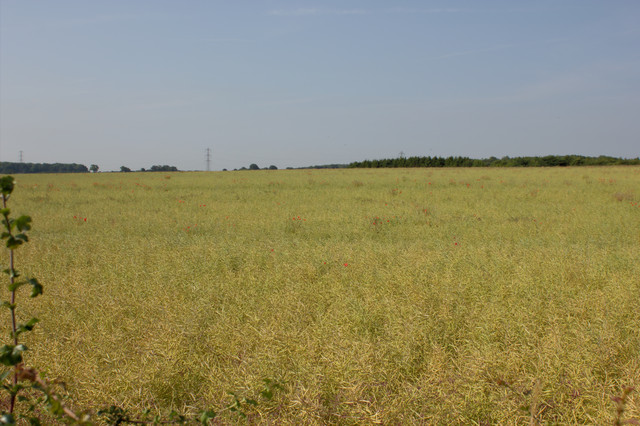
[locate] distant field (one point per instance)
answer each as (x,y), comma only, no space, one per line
(464,296)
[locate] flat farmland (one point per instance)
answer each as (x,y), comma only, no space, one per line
(394,296)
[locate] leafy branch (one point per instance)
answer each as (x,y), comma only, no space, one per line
(18,377)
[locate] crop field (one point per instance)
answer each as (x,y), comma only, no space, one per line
(393,296)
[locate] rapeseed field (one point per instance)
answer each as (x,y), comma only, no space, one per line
(392,296)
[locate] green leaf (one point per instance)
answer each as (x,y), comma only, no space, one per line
(55,407)
(23,223)
(32,322)
(13,243)
(6,185)
(36,287)
(5,211)
(15,285)
(4,375)
(9,305)
(175,417)
(13,390)
(5,235)
(269,387)
(11,272)
(38,386)
(115,415)
(11,355)
(26,327)
(22,237)
(205,416)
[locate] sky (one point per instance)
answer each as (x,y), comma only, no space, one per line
(297,83)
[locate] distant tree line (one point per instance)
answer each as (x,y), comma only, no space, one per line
(12,168)
(8,167)
(164,168)
(322,166)
(546,161)
(254,166)
(328,166)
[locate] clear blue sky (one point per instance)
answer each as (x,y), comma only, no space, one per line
(297,83)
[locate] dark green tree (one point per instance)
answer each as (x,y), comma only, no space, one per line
(164,168)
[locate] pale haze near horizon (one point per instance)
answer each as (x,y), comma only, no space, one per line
(299,83)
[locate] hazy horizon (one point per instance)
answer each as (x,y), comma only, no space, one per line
(297,83)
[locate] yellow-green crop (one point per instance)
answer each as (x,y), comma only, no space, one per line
(398,296)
